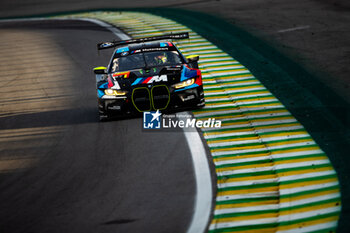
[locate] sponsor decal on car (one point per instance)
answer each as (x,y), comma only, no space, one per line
(152,79)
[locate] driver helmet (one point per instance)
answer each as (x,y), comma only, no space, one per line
(161,58)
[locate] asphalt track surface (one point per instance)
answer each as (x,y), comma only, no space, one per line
(60,169)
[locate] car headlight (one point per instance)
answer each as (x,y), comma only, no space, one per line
(183,84)
(115,92)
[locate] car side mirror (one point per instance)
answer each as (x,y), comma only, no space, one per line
(193,61)
(100,70)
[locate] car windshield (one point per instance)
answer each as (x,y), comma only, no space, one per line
(149,59)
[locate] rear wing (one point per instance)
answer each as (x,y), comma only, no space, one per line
(112,44)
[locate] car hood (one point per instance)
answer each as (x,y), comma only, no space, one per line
(166,75)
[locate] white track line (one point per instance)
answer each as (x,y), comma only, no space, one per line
(204,190)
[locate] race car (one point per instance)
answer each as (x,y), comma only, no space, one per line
(148,74)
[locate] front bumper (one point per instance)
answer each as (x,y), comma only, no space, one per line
(151,99)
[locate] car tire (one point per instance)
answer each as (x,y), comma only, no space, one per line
(103,117)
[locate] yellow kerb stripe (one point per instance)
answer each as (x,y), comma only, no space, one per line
(307,183)
(309,208)
(244,218)
(249,178)
(241,156)
(299,160)
(285,199)
(238,148)
(245,191)
(307,223)
(246,204)
(265,230)
(230,168)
